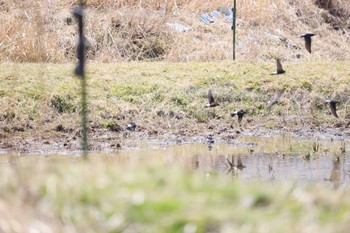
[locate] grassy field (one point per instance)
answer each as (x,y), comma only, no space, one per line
(44,95)
(43,196)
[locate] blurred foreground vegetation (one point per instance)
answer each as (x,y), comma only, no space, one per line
(105,196)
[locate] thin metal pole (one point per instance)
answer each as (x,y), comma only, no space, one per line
(234,29)
(80,71)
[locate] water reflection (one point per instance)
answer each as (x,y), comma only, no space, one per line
(335,173)
(248,158)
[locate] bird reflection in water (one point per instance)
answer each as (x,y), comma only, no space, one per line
(233,168)
(335,173)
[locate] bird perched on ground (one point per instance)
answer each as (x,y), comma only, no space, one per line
(210,141)
(212,102)
(333,106)
(239,114)
(210,138)
(274,99)
(307,38)
(131,126)
(279,69)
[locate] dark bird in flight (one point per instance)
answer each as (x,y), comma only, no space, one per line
(307,38)
(212,102)
(333,106)
(279,70)
(239,114)
(274,99)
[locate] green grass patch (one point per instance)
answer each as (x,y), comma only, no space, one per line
(148,88)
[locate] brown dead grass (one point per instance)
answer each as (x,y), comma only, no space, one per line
(118,30)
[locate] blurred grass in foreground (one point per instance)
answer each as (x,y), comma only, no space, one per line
(97,196)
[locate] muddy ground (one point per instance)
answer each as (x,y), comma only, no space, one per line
(60,140)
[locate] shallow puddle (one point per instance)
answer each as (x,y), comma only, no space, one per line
(249,158)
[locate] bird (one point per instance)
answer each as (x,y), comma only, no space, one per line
(210,141)
(131,126)
(239,114)
(307,38)
(333,107)
(212,102)
(274,99)
(210,138)
(279,70)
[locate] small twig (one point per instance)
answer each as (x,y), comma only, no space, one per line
(110,35)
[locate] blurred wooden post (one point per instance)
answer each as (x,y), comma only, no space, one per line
(234,29)
(80,72)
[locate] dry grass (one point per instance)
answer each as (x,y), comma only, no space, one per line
(136,30)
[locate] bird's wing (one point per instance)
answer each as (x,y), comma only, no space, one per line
(240,117)
(308,44)
(279,66)
(210,97)
(270,104)
(274,99)
(333,106)
(278,94)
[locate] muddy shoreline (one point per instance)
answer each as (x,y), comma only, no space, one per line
(104,140)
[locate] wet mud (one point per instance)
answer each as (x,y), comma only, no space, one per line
(266,155)
(104,140)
